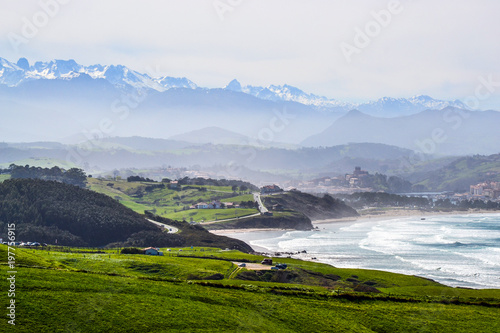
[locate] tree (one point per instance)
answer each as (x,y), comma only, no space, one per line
(75,176)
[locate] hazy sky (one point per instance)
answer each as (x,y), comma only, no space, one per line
(439,48)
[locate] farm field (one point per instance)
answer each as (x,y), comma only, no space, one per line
(174,204)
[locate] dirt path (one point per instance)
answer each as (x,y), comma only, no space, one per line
(254,266)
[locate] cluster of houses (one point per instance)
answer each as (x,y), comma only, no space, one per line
(269,189)
(487,190)
(214,205)
(356,178)
(348,183)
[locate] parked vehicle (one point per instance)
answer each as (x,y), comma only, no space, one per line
(267,261)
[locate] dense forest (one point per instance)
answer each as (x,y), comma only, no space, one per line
(55,213)
(73,176)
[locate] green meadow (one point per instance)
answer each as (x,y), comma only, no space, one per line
(202,290)
(42,162)
(173,204)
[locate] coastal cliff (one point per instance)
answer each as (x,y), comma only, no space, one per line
(291,210)
(279,220)
(315,208)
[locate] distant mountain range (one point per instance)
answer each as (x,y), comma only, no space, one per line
(71,103)
(385,106)
(449,131)
(121,77)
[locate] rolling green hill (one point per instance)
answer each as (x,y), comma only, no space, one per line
(53,212)
(202,290)
(461,173)
(174,203)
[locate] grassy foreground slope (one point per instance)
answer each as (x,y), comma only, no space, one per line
(84,292)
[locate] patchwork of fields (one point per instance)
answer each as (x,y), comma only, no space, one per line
(174,204)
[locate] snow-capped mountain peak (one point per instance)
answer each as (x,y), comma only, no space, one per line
(293,94)
(168,82)
(234,85)
(123,77)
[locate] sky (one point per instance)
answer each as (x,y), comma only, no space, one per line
(352,51)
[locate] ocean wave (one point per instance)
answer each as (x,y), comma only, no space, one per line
(461,250)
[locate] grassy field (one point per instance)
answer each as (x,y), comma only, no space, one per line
(4,177)
(208,214)
(89,292)
(173,204)
(42,162)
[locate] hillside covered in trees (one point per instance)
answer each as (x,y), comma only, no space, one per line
(46,211)
(315,208)
(73,176)
(459,174)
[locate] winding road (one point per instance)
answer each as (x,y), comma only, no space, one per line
(169,228)
(262,208)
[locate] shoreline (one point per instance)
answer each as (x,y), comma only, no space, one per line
(251,234)
(389,215)
(245,230)
(396,213)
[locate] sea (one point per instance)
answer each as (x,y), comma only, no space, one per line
(455,250)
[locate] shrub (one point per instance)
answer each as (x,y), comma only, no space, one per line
(131,250)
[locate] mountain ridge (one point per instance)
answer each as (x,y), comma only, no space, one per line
(122,77)
(449,131)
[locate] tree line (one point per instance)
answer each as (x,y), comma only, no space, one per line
(218,182)
(46,211)
(73,176)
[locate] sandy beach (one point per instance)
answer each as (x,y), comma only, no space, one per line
(397,213)
(383,215)
(234,231)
